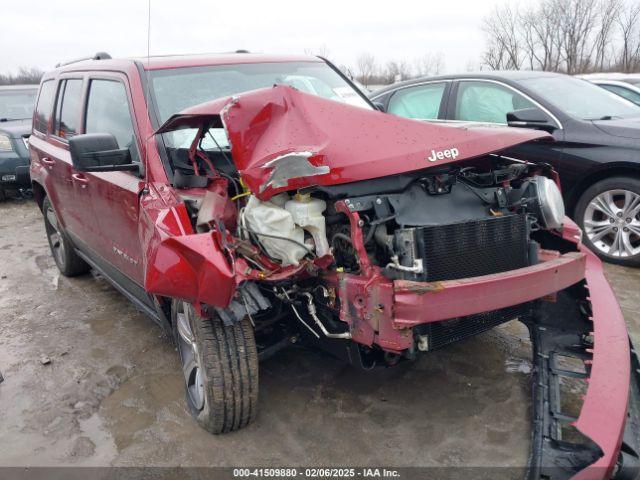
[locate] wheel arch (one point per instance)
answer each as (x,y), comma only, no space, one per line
(39,193)
(601,173)
(163,308)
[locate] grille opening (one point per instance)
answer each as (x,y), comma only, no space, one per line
(570,364)
(451,331)
(572,391)
(570,434)
(475,248)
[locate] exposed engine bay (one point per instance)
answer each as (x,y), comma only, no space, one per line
(415,216)
(445,223)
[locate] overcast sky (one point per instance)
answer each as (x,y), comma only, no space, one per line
(43,32)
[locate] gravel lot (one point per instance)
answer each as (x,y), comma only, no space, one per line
(113,394)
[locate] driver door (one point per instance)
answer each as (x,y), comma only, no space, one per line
(489,101)
(114,196)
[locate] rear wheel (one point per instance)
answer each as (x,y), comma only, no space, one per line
(609,214)
(2,195)
(220,368)
(67,260)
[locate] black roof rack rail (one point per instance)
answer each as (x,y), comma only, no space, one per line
(97,56)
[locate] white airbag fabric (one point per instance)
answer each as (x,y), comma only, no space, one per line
(272,219)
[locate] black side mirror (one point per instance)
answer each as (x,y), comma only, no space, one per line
(99,152)
(379,106)
(530,118)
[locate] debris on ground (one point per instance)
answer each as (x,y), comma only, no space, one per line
(44,360)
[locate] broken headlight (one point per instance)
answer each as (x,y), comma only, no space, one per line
(549,206)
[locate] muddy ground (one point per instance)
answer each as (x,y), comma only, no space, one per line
(113,393)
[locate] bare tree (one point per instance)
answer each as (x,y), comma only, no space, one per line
(428,64)
(366,67)
(571,36)
(502,27)
(539,27)
(609,12)
(577,22)
(627,21)
(396,70)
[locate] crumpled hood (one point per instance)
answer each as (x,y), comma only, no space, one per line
(282,139)
(16,128)
(626,128)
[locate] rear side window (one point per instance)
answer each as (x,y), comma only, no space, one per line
(45,104)
(108,112)
(420,102)
(67,117)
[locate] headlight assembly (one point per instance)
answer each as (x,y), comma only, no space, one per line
(5,143)
(550,206)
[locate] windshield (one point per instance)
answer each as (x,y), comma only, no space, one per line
(17,104)
(581,99)
(177,89)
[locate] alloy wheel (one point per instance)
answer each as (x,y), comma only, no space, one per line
(191,367)
(612,223)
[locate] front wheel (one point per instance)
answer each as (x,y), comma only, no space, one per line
(609,214)
(220,368)
(68,261)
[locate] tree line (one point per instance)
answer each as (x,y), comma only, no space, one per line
(369,72)
(569,36)
(25,76)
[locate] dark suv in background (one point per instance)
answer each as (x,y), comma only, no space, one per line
(16,110)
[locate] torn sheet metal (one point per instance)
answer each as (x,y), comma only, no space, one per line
(272,130)
(290,166)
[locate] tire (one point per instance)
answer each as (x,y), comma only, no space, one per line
(609,214)
(3,196)
(220,368)
(65,256)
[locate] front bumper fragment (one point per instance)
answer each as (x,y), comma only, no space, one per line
(584,324)
(416,303)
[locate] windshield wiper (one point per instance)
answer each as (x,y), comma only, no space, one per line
(604,117)
(5,119)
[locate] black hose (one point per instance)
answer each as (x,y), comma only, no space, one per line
(341,236)
(278,237)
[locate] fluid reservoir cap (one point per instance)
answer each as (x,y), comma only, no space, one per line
(302,197)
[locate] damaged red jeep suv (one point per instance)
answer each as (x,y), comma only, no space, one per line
(248,201)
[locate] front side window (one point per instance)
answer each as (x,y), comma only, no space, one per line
(580,99)
(67,117)
(17,104)
(180,88)
(421,102)
(108,112)
(487,102)
(45,104)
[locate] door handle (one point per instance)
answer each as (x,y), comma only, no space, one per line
(48,162)
(81,179)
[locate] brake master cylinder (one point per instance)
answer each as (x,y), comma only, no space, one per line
(307,213)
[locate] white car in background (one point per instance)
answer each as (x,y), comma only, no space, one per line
(625,85)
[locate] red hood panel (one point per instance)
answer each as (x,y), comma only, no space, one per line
(311,140)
